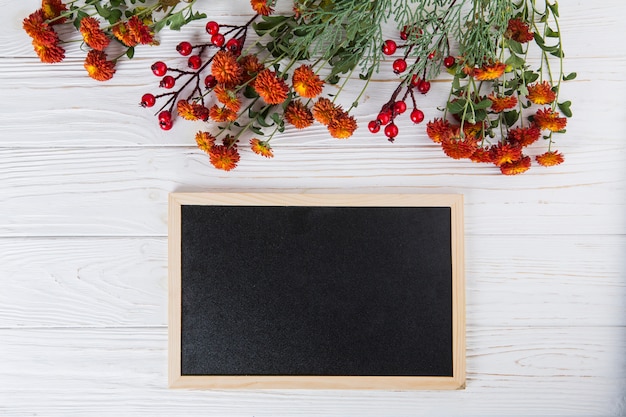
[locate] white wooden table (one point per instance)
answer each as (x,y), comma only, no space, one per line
(84,178)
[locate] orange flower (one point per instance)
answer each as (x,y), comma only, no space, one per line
(123,34)
(324,111)
(438,130)
(140,31)
(505,153)
(306,83)
(501,103)
(92,34)
(342,125)
(524,136)
(226,69)
(541,93)
(517,167)
(205,141)
(481,155)
(548,119)
(271,88)
(489,71)
(227,97)
(298,115)
(549,159)
(224,157)
(52,10)
(222,114)
(98,67)
(458,148)
(473,130)
(49,54)
(262,148)
(188,111)
(519,31)
(251,66)
(36,27)
(262,6)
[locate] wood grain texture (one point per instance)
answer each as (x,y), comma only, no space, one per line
(84,179)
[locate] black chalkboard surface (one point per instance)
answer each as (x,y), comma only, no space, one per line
(316,291)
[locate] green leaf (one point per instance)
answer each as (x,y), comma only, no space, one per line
(515,46)
(555,8)
(483,104)
(551,34)
(515,61)
(511,117)
(569,76)
(130,52)
(456,106)
(256,130)
(102,11)
(565,108)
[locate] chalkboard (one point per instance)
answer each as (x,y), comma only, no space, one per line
(316,291)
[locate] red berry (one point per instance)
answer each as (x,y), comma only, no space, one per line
(432,54)
(147,100)
(423,87)
(399,107)
(415,80)
(165,116)
(167,82)
(449,61)
(194,62)
(404,33)
(218,40)
(399,65)
(384,117)
(389,47)
(233,46)
(373,126)
(212,27)
(184,48)
(210,81)
(166,124)
(391,131)
(159,68)
(417,116)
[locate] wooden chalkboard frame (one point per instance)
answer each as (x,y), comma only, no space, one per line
(456,381)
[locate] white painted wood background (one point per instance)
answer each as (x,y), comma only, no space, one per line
(84,179)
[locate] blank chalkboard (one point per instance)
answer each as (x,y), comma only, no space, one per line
(316,291)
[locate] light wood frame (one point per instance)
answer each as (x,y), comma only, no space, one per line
(456,381)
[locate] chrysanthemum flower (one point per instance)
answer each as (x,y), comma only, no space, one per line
(306,83)
(517,167)
(489,71)
(473,130)
(140,31)
(342,125)
(227,97)
(324,111)
(505,153)
(226,69)
(49,54)
(541,93)
(222,114)
(481,155)
(439,129)
(501,103)
(548,119)
(519,31)
(224,157)
(458,148)
(36,27)
(98,67)
(205,141)
(201,112)
(262,7)
(251,66)
(271,88)
(52,9)
(187,110)
(524,136)
(92,34)
(298,115)
(123,34)
(550,158)
(262,148)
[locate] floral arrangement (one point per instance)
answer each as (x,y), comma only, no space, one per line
(504,58)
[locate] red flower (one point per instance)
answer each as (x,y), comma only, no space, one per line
(519,31)
(52,9)
(36,27)
(98,67)
(524,136)
(49,54)
(140,32)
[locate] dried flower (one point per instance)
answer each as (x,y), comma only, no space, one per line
(271,88)
(306,83)
(98,67)
(548,119)
(550,158)
(262,148)
(224,157)
(298,114)
(541,93)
